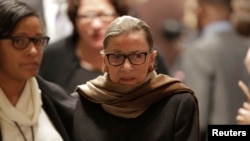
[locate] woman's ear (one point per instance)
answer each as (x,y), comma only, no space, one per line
(152,61)
(105,63)
(103,57)
(105,68)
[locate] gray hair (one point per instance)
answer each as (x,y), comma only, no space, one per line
(127,24)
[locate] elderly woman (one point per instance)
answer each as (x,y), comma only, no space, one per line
(131,101)
(31,109)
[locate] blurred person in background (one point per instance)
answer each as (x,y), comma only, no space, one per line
(213,64)
(77,59)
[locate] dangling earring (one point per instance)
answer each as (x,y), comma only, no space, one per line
(151,68)
(105,69)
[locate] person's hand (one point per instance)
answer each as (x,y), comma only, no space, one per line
(243,116)
(247,61)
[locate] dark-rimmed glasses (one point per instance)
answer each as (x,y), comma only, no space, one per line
(137,58)
(22,42)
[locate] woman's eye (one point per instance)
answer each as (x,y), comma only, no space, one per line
(19,41)
(139,55)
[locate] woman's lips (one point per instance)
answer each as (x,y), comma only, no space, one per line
(31,65)
(127,79)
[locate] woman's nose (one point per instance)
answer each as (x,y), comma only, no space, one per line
(127,66)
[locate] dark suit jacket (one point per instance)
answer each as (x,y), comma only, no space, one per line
(59,107)
(61,65)
(213,65)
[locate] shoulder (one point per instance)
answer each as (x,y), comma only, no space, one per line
(182,101)
(55,92)
(184,97)
(49,87)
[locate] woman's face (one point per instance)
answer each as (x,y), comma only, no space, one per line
(93,18)
(127,44)
(21,64)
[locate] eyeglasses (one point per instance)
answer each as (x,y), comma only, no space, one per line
(22,42)
(89,16)
(134,58)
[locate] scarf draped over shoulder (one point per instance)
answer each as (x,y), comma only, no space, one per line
(130,101)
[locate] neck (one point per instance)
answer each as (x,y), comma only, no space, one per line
(89,57)
(12,89)
(214,14)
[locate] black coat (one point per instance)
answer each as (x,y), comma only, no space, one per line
(59,107)
(174,118)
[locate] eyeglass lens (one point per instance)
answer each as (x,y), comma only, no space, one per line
(135,59)
(22,42)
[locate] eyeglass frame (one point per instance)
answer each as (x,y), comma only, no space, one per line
(30,39)
(127,57)
(89,16)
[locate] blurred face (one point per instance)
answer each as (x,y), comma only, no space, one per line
(21,64)
(199,17)
(134,69)
(202,13)
(93,18)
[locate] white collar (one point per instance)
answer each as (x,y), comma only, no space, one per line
(216,27)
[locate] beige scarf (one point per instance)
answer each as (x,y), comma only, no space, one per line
(130,101)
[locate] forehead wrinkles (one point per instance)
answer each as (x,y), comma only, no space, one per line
(128,40)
